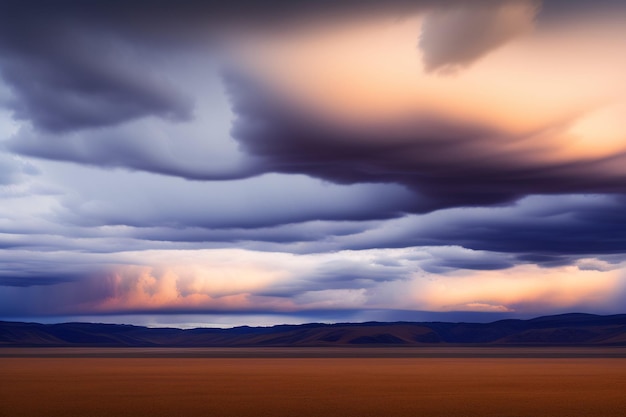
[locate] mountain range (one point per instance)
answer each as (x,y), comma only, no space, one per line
(575,329)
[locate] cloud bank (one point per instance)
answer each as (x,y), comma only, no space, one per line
(353,160)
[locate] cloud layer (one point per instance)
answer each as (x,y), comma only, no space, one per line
(353,160)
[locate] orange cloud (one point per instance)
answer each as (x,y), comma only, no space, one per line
(523,289)
(192,280)
(238,280)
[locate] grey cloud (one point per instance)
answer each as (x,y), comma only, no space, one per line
(36,279)
(73,65)
(603,264)
(63,297)
(195,151)
(80,98)
(340,274)
(450,258)
(294,237)
(65,77)
(146,200)
(26,268)
(554,10)
(199,149)
(107,212)
(455,36)
(446,161)
(373,268)
(76,65)
(14,170)
(54,239)
(546,230)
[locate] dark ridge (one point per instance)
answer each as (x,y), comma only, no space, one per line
(574,329)
(385,338)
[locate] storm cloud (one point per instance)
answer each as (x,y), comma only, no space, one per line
(483,165)
(319,159)
(60,83)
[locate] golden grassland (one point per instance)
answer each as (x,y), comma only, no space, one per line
(503,383)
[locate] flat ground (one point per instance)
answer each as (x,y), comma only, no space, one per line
(507,382)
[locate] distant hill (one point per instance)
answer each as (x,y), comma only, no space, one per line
(559,330)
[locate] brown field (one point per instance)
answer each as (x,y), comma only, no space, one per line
(508,382)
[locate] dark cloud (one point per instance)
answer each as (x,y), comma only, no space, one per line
(546,230)
(191,16)
(448,161)
(585,225)
(36,279)
(190,151)
(26,268)
(554,10)
(413,154)
(108,212)
(73,65)
(138,200)
(300,237)
(66,78)
(451,258)
(61,85)
(550,231)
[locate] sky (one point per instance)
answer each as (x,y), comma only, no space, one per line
(253,163)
